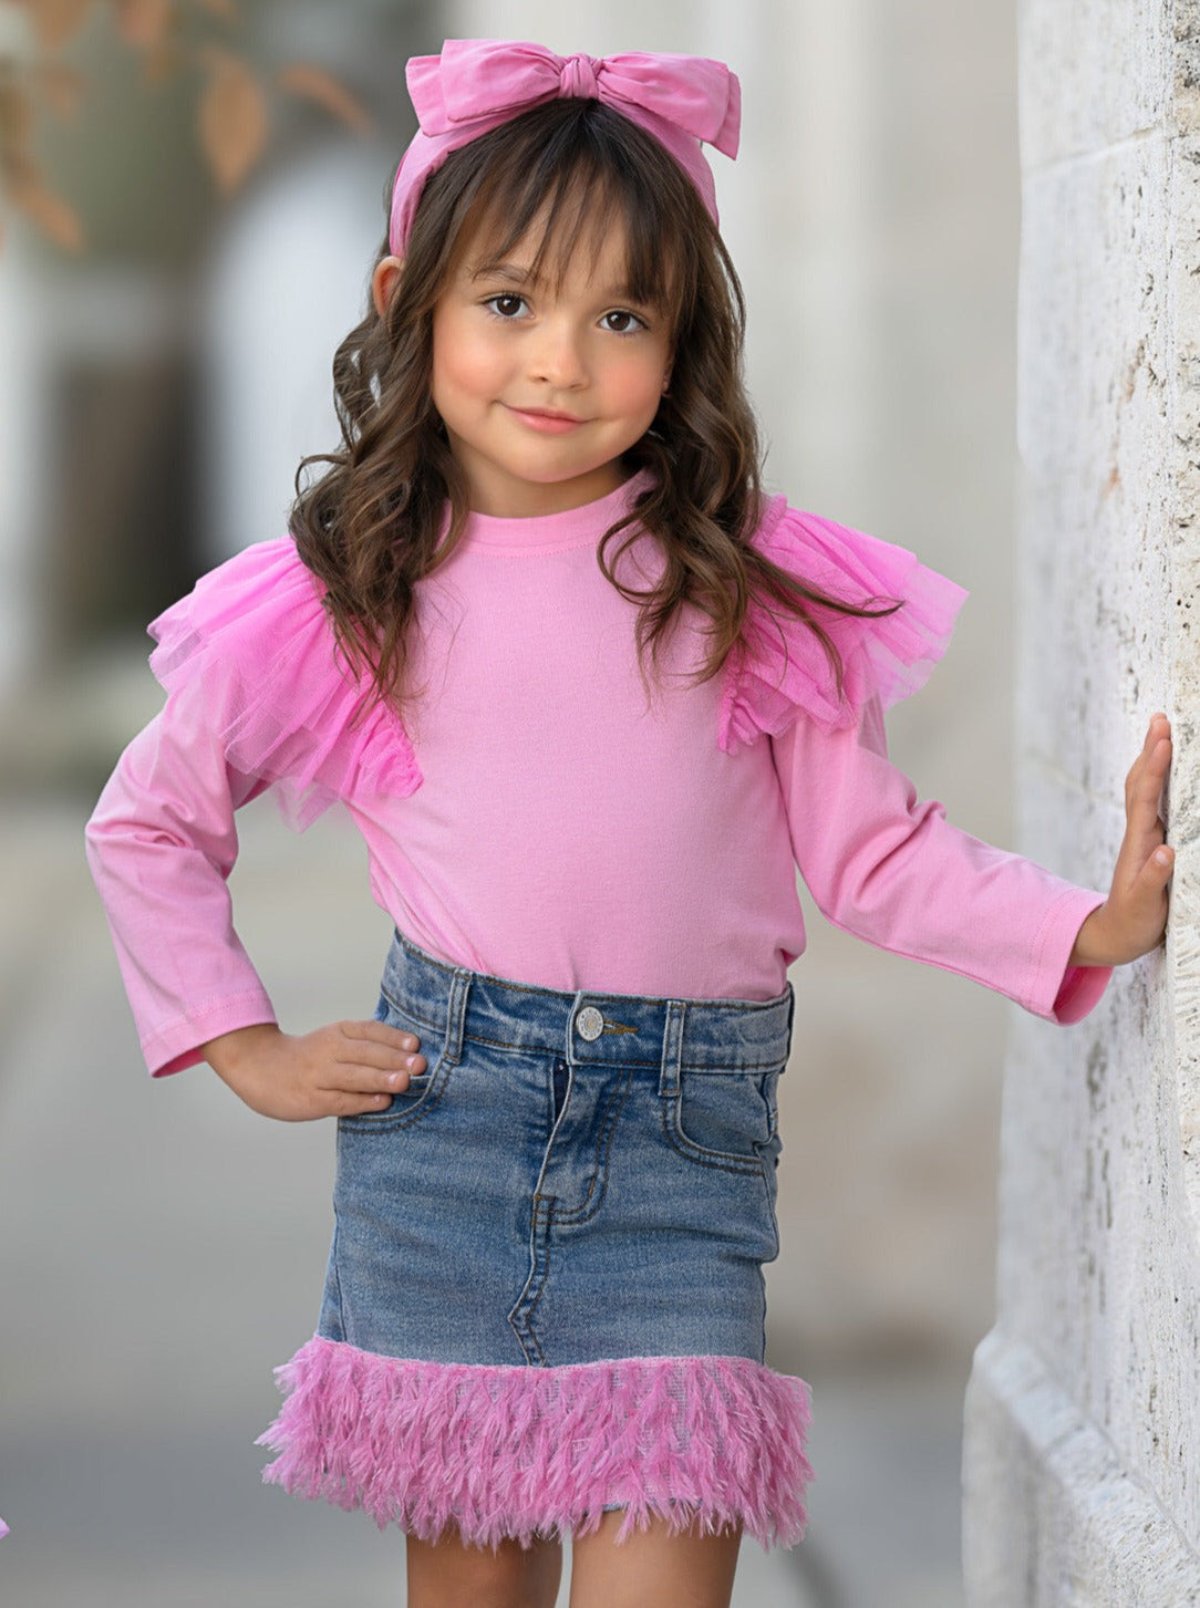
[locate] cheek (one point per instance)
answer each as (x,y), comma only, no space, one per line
(463,359)
(636,386)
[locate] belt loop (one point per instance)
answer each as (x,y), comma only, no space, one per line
(394,960)
(569,1047)
(668,1080)
(456,1013)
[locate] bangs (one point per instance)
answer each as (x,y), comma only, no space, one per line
(580,200)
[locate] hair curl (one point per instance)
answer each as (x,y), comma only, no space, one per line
(368,528)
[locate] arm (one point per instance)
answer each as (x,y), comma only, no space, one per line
(255,700)
(160,844)
(893,871)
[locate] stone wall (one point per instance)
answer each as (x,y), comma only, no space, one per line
(1080,1463)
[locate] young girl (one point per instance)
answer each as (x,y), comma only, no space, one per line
(557,1137)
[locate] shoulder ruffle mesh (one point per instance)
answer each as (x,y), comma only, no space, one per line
(780,667)
(253,630)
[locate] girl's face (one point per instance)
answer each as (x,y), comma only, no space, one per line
(502,344)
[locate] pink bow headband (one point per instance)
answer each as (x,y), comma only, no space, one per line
(475,85)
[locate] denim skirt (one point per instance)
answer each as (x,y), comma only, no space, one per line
(544,1297)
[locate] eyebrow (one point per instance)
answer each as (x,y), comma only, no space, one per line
(516,274)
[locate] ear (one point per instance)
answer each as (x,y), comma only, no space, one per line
(384,281)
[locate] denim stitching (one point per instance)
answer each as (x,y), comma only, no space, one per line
(408,1116)
(774,1222)
(615,1105)
(337,1282)
(524,1047)
(404,1009)
(551,1202)
(721,1160)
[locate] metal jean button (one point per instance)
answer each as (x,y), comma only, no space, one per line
(590,1023)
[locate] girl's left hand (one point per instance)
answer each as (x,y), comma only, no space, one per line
(1133,920)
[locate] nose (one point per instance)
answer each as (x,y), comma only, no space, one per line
(557,356)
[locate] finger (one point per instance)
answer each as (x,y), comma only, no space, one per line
(372,1029)
(1147,877)
(1158,729)
(362,1075)
(377,1044)
(367,1084)
(364,1086)
(353,1102)
(1162,862)
(1158,739)
(388,1071)
(1147,761)
(1146,784)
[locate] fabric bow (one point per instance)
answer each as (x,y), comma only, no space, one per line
(479,80)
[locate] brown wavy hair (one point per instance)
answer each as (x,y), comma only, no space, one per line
(368,528)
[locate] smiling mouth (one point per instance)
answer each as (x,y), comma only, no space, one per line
(545,413)
(557,426)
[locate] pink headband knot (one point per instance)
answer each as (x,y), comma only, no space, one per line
(475,85)
(580,76)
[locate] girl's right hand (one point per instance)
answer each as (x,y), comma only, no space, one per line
(341,1070)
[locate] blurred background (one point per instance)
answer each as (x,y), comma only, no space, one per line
(182,252)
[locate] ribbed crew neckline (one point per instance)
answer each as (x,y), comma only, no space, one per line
(571,527)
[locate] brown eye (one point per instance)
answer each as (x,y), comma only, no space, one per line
(622,313)
(510,296)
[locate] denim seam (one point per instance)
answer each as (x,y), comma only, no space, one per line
(721,1161)
(391,1121)
(772,1218)
(541,1290)
(526,1048)
(337,1281)
(616,1104)
(406,1009)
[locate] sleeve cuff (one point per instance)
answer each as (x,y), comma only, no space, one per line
(1065,993)
(178,1046)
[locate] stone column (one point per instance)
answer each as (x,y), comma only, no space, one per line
(1081,1454)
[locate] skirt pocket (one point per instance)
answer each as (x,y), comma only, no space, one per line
(724,1118)
(425,1089)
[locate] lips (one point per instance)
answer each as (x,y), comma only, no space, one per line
(549,413)
(544,423)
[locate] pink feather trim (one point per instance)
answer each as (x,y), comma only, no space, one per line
(779,670)
(512,1451)
(285,706)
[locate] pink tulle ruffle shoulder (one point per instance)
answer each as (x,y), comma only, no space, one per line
(516,1451)
(781,669)
(281,696)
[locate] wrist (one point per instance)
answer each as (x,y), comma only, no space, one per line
(227,1053)
(1091,947)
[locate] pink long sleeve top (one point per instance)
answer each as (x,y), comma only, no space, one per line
(543,816)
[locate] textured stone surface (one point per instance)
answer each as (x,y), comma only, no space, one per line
(1083,1411)
(1085,1530)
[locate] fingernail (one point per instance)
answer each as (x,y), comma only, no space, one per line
(1161,856)
(393,1079)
